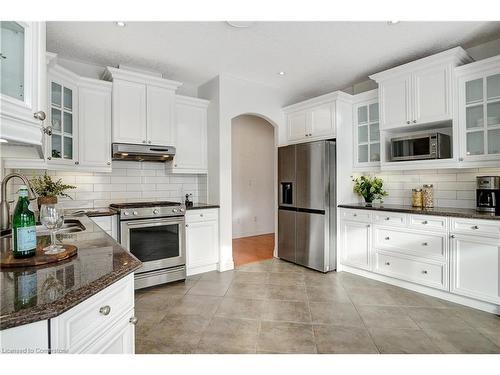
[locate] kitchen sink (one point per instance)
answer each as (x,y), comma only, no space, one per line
(69,226)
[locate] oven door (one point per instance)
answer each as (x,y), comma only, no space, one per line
(157,243)
(413,148)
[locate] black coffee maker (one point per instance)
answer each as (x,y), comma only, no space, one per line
(488,194)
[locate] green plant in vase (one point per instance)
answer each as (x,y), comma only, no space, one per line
(48,190)
(370,188)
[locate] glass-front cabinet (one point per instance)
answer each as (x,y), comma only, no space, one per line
(366,134)
(22,79)
(62,145)
(479,111)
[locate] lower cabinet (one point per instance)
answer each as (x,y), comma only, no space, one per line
(475,264)
(109,224)
(120,339)
(202,240)
(356,244)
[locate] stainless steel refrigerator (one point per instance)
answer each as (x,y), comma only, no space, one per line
(307,204)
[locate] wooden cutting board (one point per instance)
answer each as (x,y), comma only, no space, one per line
(40,258)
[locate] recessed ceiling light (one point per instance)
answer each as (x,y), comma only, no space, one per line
(120,23)
(240,24)
(393,22)
(281,73)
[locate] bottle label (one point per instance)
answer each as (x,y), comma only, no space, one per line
(26,239)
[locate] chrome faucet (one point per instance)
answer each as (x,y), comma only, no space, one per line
(4,204)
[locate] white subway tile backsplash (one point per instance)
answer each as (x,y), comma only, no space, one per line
(85,179)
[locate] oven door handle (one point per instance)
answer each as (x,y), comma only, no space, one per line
(152,223)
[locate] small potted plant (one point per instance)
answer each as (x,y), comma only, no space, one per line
(370,188)
(48,190)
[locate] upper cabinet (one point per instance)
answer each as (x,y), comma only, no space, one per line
(143,108)
(420,92)
(478,111)
(366,132)
(313,119)
(80,118)
(23,77)
(190,135)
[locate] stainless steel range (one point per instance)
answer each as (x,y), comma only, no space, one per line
(155,233)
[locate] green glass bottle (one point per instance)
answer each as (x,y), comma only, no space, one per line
(23,227)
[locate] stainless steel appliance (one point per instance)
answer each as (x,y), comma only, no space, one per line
(420,147)
(307,204)
(488,194)
(125,151)
(155,233)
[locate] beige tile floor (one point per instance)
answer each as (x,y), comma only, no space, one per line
(276,307)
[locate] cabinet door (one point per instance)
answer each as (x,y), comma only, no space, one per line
(322,120)
(356,244)
(94,141)
(202,239)
(395,102)
(63,117)
(431,95)
(297,125)
(475,263)
(129,112)
(366,135)
(120,339)
(160,116)
(191,138)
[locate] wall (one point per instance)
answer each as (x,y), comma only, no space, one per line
(235,96)
(128,182)
(252,176)
(452,187)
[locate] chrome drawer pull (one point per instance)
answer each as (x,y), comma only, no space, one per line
(425,222)
(387,238)
(452,236)
(425,244)
(387,218)
(424,272)
(387,263)
(105,310)
(475,227)
(354,215)
(133,320)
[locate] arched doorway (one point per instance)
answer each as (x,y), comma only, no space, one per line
(253,155)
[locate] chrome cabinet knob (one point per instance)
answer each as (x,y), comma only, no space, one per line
(155,211)
(174,210)
(108,163)
(40,115)
(368,225)
(414,121)
(133,320)
(201,215)
(105,310)
(424,272)
(77,162)
(452,236)
(425,244)
(475,227)
(354,215)
(175,165)
(182,209)
(125,213)
(149,142)
(387,263)
(425,222)
(135,213)
(408,121)
(187,225)
(460,159)
(143,141)
(388,218)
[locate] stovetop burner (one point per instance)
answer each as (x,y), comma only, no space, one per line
(143,204)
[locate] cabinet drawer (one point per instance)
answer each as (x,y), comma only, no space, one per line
(202,215)
(487,228)
(83,324)
(417,271)
(426,222)
(418,244)
(390,218)
(364,216)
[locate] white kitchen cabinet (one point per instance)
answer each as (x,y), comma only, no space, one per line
(313,119)
(109,224)
(475,264)
(23,77)
(160,116)
(366,132)
(190,136)
(143,107)
(355,238)
(420,92)
(80,116)
(119,339)
(32,338)
(202,240)
(478,112)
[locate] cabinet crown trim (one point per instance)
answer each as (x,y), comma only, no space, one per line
(457,56)
(111,73)
(478,66)
(181,99)
(365,96)
(330,97)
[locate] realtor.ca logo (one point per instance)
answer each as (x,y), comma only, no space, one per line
(32,351)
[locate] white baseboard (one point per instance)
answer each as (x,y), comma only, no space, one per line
(480,305)
(201,269)
(251,234)
(227,266)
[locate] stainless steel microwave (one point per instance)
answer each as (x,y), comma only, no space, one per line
(420,147)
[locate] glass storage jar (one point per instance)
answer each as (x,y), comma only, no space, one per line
(428,196)
(416,198)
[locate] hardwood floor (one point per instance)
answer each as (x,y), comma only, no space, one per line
(253,249)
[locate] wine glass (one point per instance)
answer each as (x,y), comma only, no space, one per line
(52,217)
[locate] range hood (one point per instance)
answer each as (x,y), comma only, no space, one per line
(125,151)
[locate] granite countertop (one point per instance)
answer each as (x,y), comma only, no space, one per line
(201,206)
(100,262)
(101,212)
(469,213)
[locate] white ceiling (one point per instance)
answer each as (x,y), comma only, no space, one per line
(317,57)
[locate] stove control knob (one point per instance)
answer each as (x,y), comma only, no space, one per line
(135,213)
(181,209)
(125,213)
(174,210)
(156,212)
